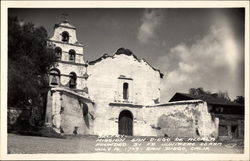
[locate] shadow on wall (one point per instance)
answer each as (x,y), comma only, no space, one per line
(76,117)
(85,112)
(177,125)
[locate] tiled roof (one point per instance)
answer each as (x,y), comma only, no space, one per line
(207,98)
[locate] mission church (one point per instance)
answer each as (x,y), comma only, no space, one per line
(116,94)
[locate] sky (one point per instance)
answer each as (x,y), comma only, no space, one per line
(192,47)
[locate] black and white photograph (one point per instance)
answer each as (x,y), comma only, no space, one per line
(104,80)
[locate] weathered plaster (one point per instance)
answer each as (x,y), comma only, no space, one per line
(70,110)
(104,78)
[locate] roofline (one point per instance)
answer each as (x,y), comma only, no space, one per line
(59,89)
(225,104)
(184,102)
(104,56)
(126,104)
(59,25)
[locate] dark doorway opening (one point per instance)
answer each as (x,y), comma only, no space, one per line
(125,126)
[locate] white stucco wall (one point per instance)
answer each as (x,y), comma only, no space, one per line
(176,119)
(65,111)
(183,119)
(106,86)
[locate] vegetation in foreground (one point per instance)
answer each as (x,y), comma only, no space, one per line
(29,60)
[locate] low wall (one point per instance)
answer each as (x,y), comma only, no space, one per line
(175,119)
(182,119)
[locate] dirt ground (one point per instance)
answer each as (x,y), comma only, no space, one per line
(20,144)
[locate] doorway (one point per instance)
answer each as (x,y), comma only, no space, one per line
(125,125)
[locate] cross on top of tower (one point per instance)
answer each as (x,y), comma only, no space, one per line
(65,15)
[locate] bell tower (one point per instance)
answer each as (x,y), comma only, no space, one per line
(70,69)
(67,80)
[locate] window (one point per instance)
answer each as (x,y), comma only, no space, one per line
(65,36)
(125,91)
(54,77)
(221,110)
(72,80)
(58,52)
(72,55)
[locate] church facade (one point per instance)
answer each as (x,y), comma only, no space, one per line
(116,94)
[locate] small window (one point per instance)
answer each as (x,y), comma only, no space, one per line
(54,77)
(125,91)
(72,81)
(58,52)
(72,55)
(65,36)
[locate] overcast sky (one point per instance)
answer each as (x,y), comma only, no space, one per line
(191,47)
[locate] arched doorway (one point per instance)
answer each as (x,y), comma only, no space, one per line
(125,125)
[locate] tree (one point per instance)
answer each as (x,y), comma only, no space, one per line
(223,95)
(240,100)
(200,91)
(29,60)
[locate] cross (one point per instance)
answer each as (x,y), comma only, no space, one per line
(65,15)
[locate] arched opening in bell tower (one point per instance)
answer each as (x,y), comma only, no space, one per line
(54,77)
(58,52)
(65,36)
(72,81)
(72,55)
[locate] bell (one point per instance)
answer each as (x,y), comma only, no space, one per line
(71,57)
(54,81)
(72,83)
(58,55)
(65,38)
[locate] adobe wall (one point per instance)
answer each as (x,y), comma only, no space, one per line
(183,119)
(70,112)
(107,118)
(176,119)
(107,77)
